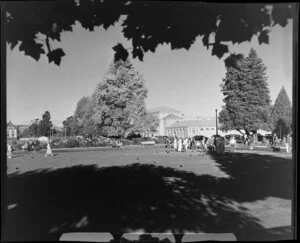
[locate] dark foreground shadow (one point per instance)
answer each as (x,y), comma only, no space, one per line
(48,203)
(255,176)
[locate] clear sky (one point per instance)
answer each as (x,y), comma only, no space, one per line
(188,81)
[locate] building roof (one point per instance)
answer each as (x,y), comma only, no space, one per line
(163,109)
(10,124)
(172,116)
(194,123)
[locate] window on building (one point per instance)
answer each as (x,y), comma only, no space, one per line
(12,133)
(7,133)
(212,128)
(207,128)
(193,130)
(201,129)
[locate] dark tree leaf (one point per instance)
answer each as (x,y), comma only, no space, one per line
(177,24)
(56,55)
(281,13)
(233,61)
(120,52)
(263,37)
(31,48)
(205,40)
(13,44)
(219,50)
(137,52)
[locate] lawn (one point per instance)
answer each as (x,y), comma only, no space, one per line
(150,189)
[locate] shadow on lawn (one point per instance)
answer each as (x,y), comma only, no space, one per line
(255,176)
(49,203)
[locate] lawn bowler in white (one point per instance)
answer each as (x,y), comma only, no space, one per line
(8,150)
(49,151)
(175,143)
(185,144)
(179,144)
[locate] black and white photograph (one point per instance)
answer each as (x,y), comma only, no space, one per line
(148,121)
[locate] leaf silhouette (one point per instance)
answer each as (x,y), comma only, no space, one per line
(55,56)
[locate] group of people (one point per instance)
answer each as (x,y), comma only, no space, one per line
(116,144)
(9,149)
(187,143)
(216,144)
(275,141)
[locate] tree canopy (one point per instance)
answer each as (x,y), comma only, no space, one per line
(119,100)
(247,100)
(82,106)
(72,127)
(116,108)
(45,124)
(282,114)
(36,25)
(41,127)
(33,128)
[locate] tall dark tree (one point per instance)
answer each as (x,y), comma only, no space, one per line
(282,114)
(247,100)
(33,128)
(72,127)
(154,24)
(45,125)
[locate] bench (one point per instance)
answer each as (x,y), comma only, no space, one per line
(148,143)
(154,237)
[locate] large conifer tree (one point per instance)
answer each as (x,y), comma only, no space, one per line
(118,102)
(247,100)
(282,114)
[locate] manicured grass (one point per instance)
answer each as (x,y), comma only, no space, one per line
(148,188)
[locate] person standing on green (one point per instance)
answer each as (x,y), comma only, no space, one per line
(289,143)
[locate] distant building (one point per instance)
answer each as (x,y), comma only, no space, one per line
(172,122)
(190,128)
(11,131)
(166,116)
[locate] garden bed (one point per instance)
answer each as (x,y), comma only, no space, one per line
(103,148)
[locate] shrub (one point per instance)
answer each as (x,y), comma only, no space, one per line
(161,140)
(72,143)
(137,141)
(103,144)
(127,141)
(132,136)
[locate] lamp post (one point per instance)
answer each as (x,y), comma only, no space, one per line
(216,121)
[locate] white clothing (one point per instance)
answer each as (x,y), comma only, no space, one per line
(179,145)
(49,152)
(175,143)
(185,144)
(9,151)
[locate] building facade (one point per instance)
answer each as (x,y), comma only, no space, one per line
(11,131)
(173,123)
(190,128)
(166,117)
